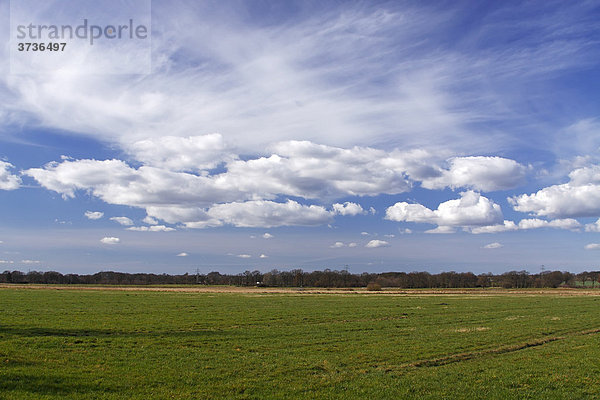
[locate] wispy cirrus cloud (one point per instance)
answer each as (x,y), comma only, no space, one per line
(315,76)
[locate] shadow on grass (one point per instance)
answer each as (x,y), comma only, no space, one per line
(22,331)
(47,385)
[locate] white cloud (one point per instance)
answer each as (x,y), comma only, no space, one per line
(365,233)
(527,224)
(494,245)
(377,243)
(94,214)
(263,256)
(30,262)
(257,83)
(352,244)
(348,208)
(592,246)
(6,262)
(122,220)
(244,256)
(565,223)
(310,170)
(311,77)
(192,153)
(8,181)
(183,254)
(149,220)
(479,173)
(337,245)
(153,228)
(390,236)
(595,227)
(299,168)
(532,223)
(110,240)
(504,227)
(442,230)
(470,210)
(580,197)
(269,214)
(267,235)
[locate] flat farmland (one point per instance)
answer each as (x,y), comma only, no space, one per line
(217,343)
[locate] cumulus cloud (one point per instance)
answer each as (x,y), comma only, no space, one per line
(471,209)
(244,256)
(494,245)
(94,214)
(348,208)
(442,230)
(182,254)
(377,243)
(592,246)
(580,197)
(125,221)
(304,171)
(594,227)
(310,170)
(504,227)
(529,223)
(149,220)
(8,181)
(352,244)
(172,190)
(479,173)
(337,245)
(192,153)
(110,240)
(269,214)
(267,235)
(564,223)
(263,256)
(153,228)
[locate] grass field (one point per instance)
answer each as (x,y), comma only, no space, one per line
(130,344)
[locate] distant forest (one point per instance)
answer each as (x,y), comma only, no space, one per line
(326,278)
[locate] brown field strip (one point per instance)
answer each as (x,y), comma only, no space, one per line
(301,291)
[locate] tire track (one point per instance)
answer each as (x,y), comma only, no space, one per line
(454,358)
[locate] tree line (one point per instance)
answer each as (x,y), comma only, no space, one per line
(326,278)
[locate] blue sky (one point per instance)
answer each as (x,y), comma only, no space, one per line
(376,136)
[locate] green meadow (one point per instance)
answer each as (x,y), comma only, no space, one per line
(83,344)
